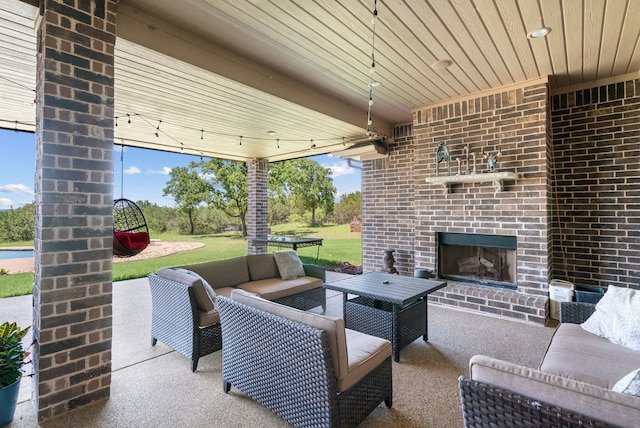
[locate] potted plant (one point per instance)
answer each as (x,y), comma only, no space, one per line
(12,358)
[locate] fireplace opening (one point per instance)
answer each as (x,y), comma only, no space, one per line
(477,258)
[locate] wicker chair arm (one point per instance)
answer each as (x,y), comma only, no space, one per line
(174,313)
(575,312)
(484,405)
(291,386)
(315,271)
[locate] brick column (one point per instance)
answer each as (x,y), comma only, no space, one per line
(258,184)
(74,195)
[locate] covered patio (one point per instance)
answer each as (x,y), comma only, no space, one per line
(154,386)
(380,82)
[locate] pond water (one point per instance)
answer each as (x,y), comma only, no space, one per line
(15,254)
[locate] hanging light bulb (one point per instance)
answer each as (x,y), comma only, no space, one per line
(241,140)
(278,142)
(116,121)
(155,134)
(201,134)
(128,121)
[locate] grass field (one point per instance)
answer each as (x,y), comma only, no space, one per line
(339,246)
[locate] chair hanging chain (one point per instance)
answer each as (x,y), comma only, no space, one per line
(121,171)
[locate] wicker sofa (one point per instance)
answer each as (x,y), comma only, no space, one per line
(184,311)
(303,366)
(572,386)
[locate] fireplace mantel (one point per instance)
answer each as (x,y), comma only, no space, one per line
(496,177)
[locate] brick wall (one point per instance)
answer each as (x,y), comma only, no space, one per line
(74,199)
(257,205)
(403,211)
(388,211)
(596,135)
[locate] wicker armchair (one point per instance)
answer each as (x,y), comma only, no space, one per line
(176,322)
(288,367)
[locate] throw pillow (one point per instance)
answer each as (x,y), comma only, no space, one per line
(289,264)
(630,384)
(617,317)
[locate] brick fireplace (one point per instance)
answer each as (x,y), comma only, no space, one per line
(588,236)
(513,121)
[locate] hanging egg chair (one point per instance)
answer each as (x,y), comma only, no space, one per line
(130,231)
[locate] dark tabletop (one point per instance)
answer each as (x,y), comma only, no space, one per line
(400,290)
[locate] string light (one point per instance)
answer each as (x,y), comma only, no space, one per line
(372,83)
(329,142)
(116,121)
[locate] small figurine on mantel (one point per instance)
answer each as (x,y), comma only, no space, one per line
(442,154)
(492,160)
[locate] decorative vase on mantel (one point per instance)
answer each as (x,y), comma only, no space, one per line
(388,261)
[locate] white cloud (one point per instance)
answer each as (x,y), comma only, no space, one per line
(132,170)
(5,203)
(340,168)
(15,188)
(164,171)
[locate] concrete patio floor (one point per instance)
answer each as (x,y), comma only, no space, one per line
(150,385)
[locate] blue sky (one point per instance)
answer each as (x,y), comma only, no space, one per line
(145,172)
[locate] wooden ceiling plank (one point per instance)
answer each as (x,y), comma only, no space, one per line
(424,44)
(573,27)
(467,12)
(627,52)
(466,34)
(493,21)
(532,20)
(610,42)
(593,19)
(557,39)
(517,35)
(443,45)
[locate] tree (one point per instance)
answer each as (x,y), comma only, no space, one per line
(188,190)
(18,224)
(228,187)
(308,183)
(349,207)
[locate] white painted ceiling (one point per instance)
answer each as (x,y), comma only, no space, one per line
(215,70)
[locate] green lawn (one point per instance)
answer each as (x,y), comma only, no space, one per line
(339,246)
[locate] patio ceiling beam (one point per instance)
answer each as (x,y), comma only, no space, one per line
(151,32)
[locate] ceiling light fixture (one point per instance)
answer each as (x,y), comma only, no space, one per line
(442,64)
(540,32)
(271,132)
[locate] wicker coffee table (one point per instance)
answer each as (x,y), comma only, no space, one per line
(388,306)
